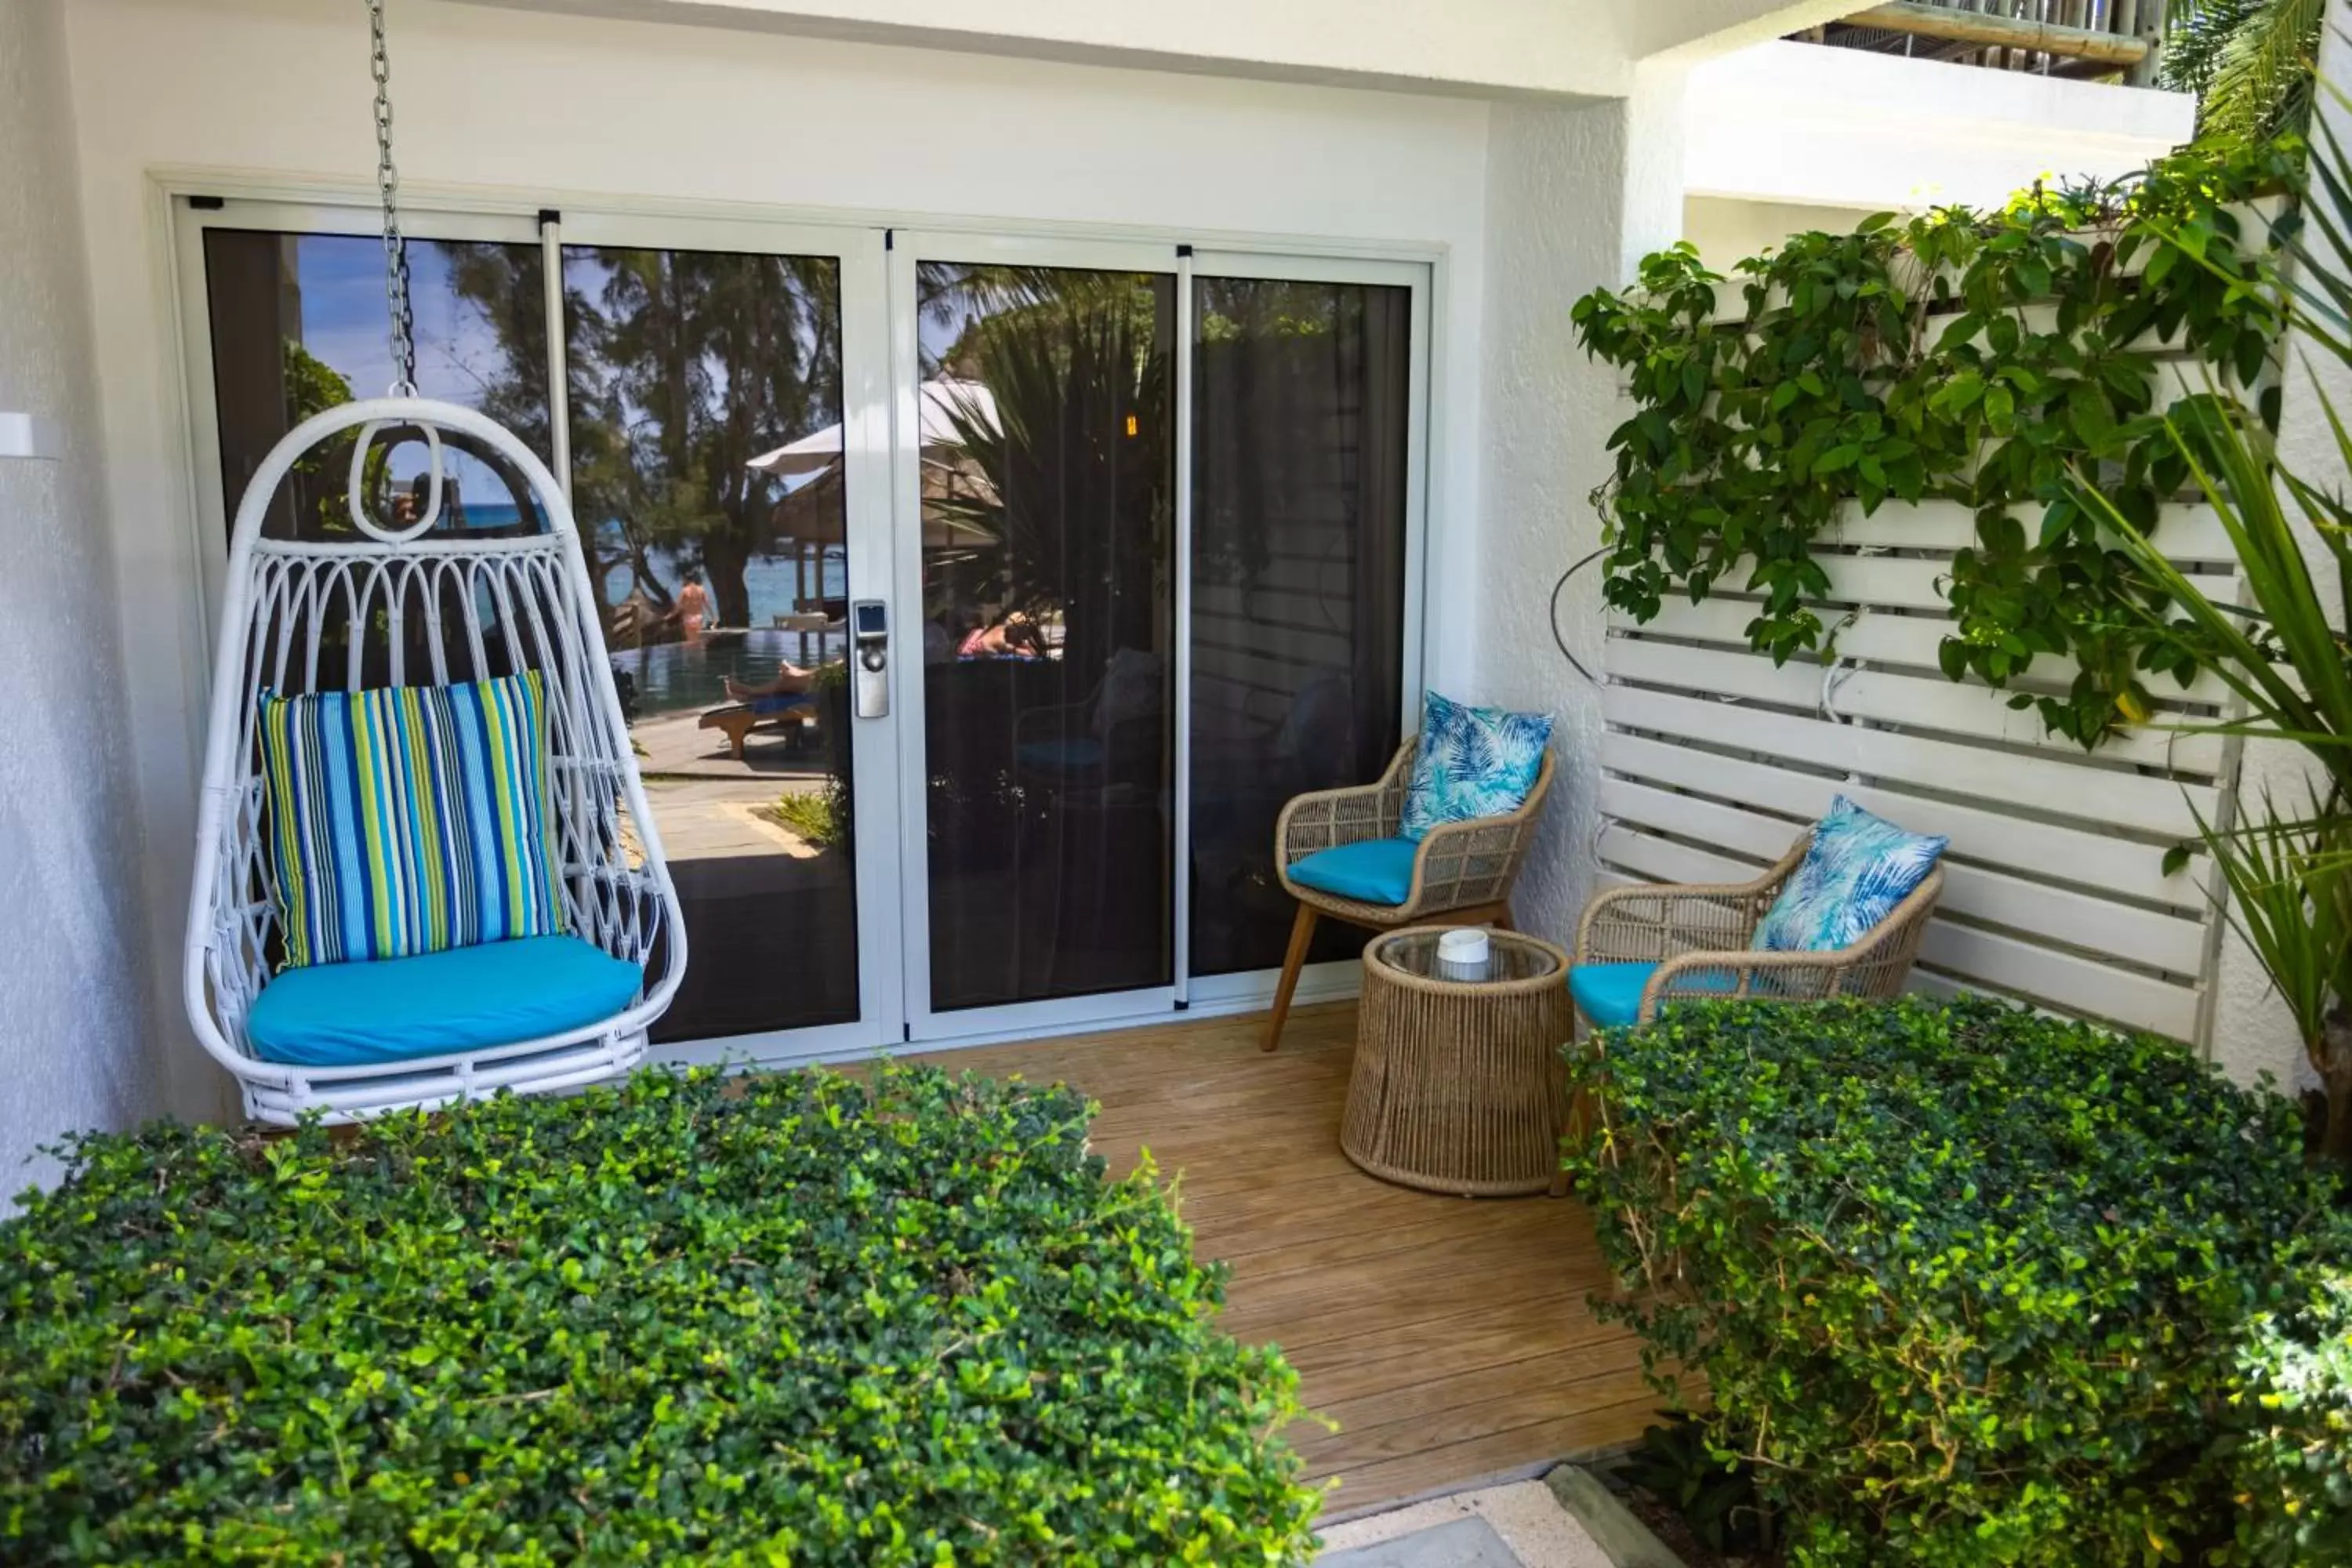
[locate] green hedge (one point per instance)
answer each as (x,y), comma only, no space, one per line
(1968,1285)
(799,1318)
(2293,1459)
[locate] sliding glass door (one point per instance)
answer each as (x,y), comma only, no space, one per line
(977,601)
(1036,469)
(1303,485)
(710,394)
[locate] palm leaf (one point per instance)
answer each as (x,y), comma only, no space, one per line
(2261,72)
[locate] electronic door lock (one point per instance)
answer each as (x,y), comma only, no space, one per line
(869,631)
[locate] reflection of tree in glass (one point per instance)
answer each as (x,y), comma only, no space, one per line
(686,365)
(1076,460)
(679,367)
(317,478)
(1254,335)
(1259,308)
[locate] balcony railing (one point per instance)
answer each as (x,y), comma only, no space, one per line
(2109,40)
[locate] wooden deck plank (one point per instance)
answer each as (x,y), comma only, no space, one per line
(1450,1339)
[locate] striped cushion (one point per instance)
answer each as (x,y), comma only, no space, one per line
(410,819)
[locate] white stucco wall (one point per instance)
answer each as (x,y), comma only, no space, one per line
(1799,123)
(564,111)
(1728,232)
(76,1040)
(1481,47)
(1557,227)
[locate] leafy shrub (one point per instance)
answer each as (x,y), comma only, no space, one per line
(1676,1464)
(799,1318)
(1994,359)
(1969,1285)
(809,813)
(2294,1462)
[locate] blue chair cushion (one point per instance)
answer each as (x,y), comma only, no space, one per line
(1857,869)
(1610,994)
(374,1011)
(1471,762)
(1370,871)
(776,704)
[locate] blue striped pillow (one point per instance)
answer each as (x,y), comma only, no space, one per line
(409,819)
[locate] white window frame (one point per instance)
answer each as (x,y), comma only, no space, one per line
(1245,990)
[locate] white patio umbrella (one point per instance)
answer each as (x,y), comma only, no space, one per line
(812,513)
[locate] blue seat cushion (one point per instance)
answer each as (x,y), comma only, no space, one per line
(1610,994)
(381,1010)
(1370,871)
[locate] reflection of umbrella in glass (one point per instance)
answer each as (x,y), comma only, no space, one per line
(812,513)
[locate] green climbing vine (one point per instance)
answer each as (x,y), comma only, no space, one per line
(1996,360)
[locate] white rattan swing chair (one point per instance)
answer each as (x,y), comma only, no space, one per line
(424,601)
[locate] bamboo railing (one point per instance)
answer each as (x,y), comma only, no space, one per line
(2092,38)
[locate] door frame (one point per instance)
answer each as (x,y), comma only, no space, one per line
(908,249)
(875,748)
(1247,989)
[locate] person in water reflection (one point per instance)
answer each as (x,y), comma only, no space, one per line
(692,607)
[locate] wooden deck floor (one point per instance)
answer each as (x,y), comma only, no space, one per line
(1449,1338)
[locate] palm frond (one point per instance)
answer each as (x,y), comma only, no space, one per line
(2287,880)
(2196,34)
(2253,66)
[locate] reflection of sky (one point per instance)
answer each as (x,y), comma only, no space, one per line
(344,319)
(346,323)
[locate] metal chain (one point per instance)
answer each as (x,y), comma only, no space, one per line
(395,245)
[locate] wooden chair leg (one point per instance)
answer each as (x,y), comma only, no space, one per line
(1302,937)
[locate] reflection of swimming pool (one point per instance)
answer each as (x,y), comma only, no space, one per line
(676,678)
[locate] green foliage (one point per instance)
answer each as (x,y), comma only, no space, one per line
(2272,639)
(2293,1461)
(794,1319)
(1984,359)
(2250,63)
(1716,1496)
(809,814)
(1967,1285)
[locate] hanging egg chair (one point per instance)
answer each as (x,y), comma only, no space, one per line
(425,869)
(387,627)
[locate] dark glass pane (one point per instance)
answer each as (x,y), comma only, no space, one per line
(298,326)
(1048,604)
(1298,505)
(705,397)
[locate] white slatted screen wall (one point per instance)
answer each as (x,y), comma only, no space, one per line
(2055,893)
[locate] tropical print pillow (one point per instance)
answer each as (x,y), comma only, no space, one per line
(1857,869)
(1472,763)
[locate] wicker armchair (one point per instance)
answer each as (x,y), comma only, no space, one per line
(1462,871)
(1697,935)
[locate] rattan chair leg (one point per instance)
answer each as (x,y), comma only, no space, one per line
(1302,937)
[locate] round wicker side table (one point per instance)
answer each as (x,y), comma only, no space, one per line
(1458,1085)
